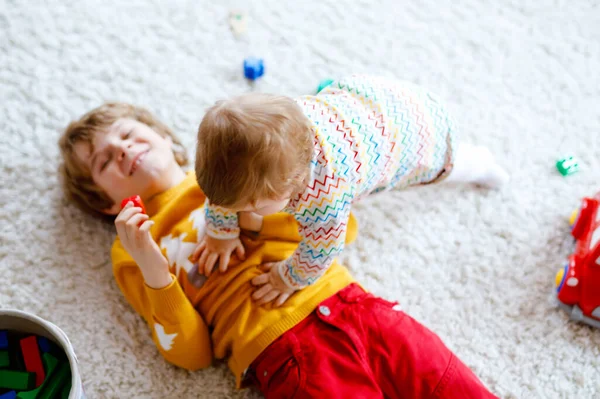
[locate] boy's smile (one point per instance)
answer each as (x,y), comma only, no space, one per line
(130,158)
(137,161)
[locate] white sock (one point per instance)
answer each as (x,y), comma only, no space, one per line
(476,164)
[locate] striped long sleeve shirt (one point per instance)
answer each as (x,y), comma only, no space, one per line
(370,134)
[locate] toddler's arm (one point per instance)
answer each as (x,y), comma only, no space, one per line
(221,223)
(322,226)
(220,241)
(270,285)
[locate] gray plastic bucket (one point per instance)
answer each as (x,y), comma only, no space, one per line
(12,319)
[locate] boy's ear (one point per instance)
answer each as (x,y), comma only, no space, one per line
(113,210)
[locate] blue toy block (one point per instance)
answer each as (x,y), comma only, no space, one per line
(254,68)
(9,395)
(3,340)
(44,344)
(47,346)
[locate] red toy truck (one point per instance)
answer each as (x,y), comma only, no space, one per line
(578,283)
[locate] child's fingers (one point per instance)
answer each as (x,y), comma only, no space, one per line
(202,261)
(136,220)
(134,210)
(121,231)
(126,213)
(198,251)
(125,216)
(127,228)
(266,267)
(268,297)
(262,291)
(224,262)
(121,216)
(260,280)
(210,263)
(145,227)
(240,251)
(281,300)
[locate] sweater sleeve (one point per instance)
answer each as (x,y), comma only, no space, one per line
(323,222)
(179,332)
(221,223)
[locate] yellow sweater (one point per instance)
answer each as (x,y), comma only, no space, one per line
(190,325)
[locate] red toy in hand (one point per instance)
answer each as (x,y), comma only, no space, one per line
(137,201)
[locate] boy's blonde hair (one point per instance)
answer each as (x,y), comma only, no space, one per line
(251,147)
(76,177)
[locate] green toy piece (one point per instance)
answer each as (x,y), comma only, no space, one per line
(4,359)
(323,84)
(56,376)
(22,384)
(17,380)
(567,166)
(66,390)
(58,380)
(50,363)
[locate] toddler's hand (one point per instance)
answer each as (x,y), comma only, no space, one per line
(133,228)
(271,286)
(211,249)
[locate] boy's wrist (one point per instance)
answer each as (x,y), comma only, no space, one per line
(158,281)
(156,271)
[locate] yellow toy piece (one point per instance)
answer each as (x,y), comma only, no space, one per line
(559,276)
(573,217)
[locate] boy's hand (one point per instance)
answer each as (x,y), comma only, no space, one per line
(133,228)
(272,286)
(211,249)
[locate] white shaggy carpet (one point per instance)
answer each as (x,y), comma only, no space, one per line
(477,267)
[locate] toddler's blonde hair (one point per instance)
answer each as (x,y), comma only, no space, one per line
(251,147)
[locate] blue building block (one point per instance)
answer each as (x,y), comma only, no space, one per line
(254,68)
(3,340)
(44,344)
(9,395)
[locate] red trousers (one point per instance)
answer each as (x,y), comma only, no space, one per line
(355,345)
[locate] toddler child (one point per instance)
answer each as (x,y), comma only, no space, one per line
(332,339)
(315,156)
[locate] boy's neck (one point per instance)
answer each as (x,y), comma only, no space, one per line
(172,179)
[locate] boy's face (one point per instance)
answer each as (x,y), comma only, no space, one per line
(130,158)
